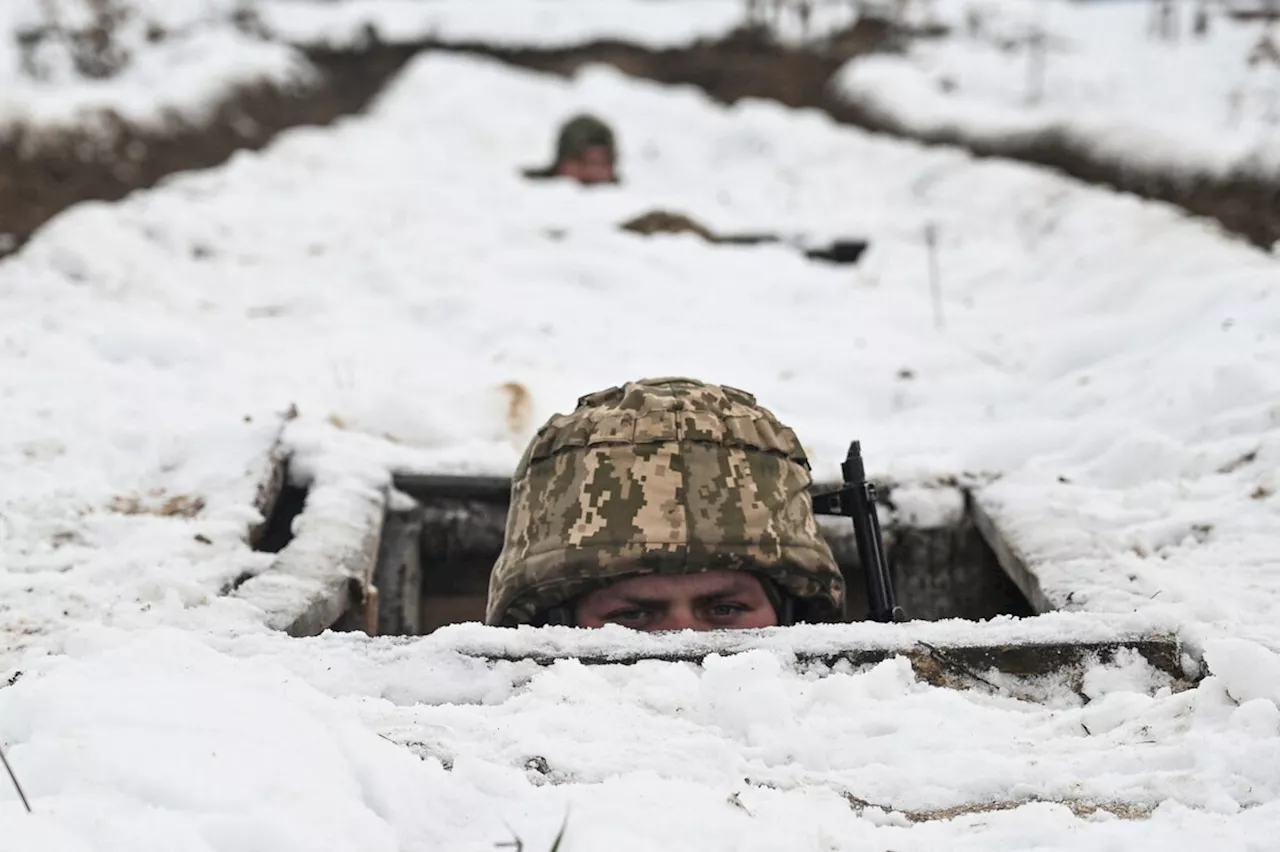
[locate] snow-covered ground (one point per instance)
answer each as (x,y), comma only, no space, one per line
(1117,365)
(180,58)
(1192,105)
(161,740)
(395,277)
(655,23)
(176,58)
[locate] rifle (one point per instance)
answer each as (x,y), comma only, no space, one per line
(842,251)
(856,499)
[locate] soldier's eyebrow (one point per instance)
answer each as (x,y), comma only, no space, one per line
(721,594)
(641,601)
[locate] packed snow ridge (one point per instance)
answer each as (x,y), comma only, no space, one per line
(1093,74)
(160,60)
(179,59)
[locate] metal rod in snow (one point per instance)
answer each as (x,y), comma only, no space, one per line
(14,779)
(935,273)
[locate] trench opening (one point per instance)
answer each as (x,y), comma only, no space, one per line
(436,555)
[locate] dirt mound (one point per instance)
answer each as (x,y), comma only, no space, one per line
(43,172)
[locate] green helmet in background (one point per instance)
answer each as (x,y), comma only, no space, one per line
(666,475)
(577,135)
(582,132)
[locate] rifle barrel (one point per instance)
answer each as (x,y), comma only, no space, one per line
(867,536)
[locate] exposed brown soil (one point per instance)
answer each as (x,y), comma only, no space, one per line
(158,503)
(743,65)
(41,177)
(64,169)
(1243,203)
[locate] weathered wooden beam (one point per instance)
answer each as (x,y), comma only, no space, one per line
(328,567)
(397,576)
(424,487)
(1013,656)
(940,665)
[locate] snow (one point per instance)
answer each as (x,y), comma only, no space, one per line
(925,507)
(1190,106)
(811,640)
(1108,366)
(1089,337)
(158,740)
(202,60)
(205,58)
(653,23)
(1132,544)
(342,522)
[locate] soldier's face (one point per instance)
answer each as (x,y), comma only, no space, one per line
(594,164)
(715,600)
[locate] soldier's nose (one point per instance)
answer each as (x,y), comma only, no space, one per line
(682,619)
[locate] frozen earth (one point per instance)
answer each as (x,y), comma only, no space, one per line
(180,59)
(177,59)
(1112,364)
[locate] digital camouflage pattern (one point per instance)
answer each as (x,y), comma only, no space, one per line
(660,476)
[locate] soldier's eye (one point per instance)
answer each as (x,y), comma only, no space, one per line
(725,610)
(628,616)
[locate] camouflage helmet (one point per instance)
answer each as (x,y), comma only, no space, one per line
(581,132)
(666,475)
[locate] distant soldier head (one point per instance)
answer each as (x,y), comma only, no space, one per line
(586,151)
(664,504)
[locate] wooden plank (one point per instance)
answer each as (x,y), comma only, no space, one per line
(940,664)
(425,487)
(397,577)
(328,567)
(951,653)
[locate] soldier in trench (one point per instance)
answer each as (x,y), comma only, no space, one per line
(664,504)
(587,151)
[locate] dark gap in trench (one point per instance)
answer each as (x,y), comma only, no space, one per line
(434,565)
(278,502)
(278,530)
(938,572)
